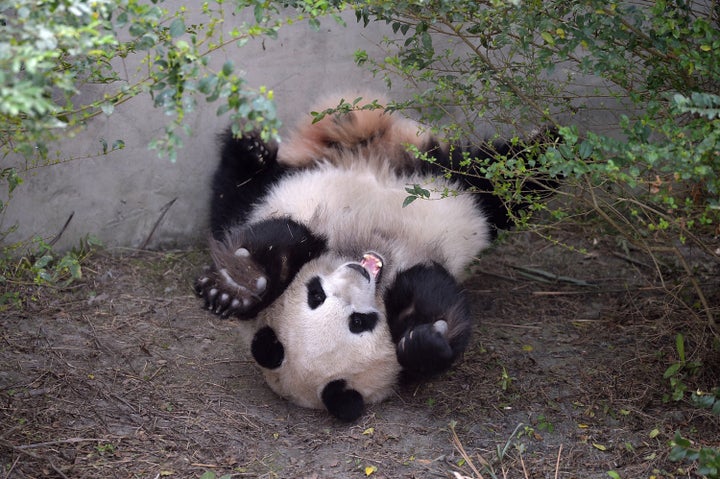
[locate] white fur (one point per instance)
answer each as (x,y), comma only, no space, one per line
(319,347)
(358,209)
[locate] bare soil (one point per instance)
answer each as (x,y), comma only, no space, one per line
(123,375)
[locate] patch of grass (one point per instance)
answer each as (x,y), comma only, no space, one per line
(24,268)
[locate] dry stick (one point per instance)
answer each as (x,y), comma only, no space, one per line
(62,230)
(696,286)
(463,453)
(710,318)
(71,440)
(157,223)
(630,260)
(689,234)
(522,463)
(557,464)
(17,459)
(542,275)
(613,223)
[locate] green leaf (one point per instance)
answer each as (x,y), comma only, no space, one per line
(585,150)
(409,200)
(547,36)
(680,345)
(677,453)
(672,370)
(177,28)
(43,261)
(13,179)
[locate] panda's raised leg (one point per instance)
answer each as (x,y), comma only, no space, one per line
(248,167)
(429,319)
(495,208)
(253,264)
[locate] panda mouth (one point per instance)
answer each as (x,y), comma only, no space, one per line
(373,264)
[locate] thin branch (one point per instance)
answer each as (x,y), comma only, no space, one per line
(501,78)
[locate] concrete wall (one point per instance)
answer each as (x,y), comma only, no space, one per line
(119,197)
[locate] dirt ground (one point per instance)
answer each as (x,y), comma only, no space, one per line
(123,375)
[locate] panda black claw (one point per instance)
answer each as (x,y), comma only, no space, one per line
(200,285)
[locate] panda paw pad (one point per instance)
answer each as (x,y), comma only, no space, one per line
(233,290)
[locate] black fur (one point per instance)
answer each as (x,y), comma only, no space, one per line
(419,297)
(266,349)
(362,322)
(248,167)
(499,216)
(345,404)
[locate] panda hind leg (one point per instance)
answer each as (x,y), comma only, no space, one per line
(247,168)
(429,320)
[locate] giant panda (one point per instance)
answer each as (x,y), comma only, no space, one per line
(347,287)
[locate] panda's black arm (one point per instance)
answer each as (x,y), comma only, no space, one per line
(429,319)
(254,263)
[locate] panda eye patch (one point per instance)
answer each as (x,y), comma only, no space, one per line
(315,293)
(361,322)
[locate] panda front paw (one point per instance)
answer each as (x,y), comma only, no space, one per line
(233,286)
(424,350)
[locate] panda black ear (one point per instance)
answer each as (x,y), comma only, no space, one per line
(267,350)
(345,404)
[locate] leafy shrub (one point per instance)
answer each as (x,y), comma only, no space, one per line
(650,170)
(50,51)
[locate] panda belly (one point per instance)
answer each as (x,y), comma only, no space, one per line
(361,208)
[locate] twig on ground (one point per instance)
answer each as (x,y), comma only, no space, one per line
(546,276)
(38,457)
(463,453)
(522,463)
(557,464)
(631,260)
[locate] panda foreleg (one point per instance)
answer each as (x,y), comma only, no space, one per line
(429,319)
(253,264)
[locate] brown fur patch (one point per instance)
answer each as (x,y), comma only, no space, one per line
(367,133)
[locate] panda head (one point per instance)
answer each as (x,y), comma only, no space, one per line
(325,342)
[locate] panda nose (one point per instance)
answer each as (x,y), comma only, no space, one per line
(360,270)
